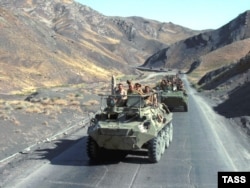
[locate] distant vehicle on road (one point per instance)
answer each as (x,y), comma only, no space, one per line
(175,99)
(173,93)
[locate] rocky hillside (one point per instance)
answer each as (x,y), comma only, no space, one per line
(237,73)
(211,49)
(47,43)
(218,63)
(229,86)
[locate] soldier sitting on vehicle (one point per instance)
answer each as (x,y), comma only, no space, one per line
(163,85)
(138,88)
(169,85)
(150,98)
(166,85)
(180,87)
(132,89)
(120,95)
(174,87)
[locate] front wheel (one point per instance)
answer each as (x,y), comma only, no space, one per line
(155,149)
(185,107)
(93,150)
(163,143)
(171,130)
(167,136)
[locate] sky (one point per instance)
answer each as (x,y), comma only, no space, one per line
(193,14)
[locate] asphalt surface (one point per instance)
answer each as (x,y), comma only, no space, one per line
(204,143)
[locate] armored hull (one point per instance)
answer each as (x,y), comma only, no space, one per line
(173,93)
(134,126)
(175,99)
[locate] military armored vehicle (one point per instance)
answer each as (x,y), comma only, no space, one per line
(135,126)
(175,99)
(173,93)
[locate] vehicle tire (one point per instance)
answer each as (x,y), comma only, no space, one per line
(171,109)
(154,149)
(185,107)
(93,150)
(171,130)
(167,136)
(163,143)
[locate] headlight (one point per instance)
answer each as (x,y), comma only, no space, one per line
(93,127)
(142,128)
(93,121)
(146,124)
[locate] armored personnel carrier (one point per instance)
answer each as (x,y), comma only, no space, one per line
(175,99)
(173,93)
(133,127)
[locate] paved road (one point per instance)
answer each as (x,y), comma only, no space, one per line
(203,144)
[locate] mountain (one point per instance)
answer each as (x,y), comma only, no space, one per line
(47,43)
(218,65)
(229,86)
(237,73)
(207,50)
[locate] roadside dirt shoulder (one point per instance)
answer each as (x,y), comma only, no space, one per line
(37,118)
(234,111)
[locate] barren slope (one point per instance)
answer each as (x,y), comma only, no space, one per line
(50,43)
(189,53)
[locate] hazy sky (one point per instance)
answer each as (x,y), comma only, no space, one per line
(194,14)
